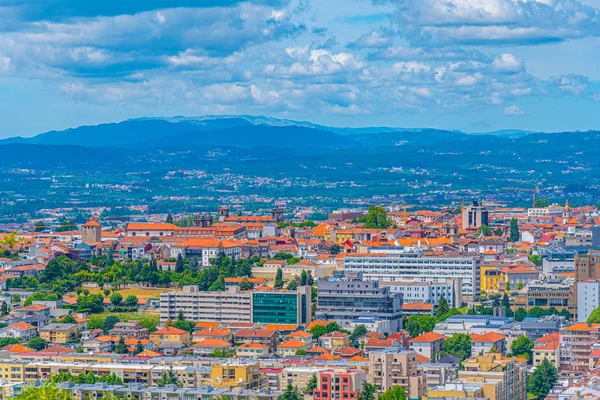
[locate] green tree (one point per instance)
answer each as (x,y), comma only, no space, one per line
(39,226)
(131,300)
(459,345)
(48,391)
(116,298)
(218,285)
(537,260)
(179,264)
(311,385)
(109,323)
(393,393)
(418,324)
(111,379)
(515,235)
(359,331)
(290,393)
(300,352)
(168,378)
(303,278)
(541,381)
(485,230)
(505,301)
(377,218)
(5,341)
(245,284)
(442,307)
(278,279)
(565,313)
(121,348)
(536,312)
(4,309)
(368,391)
(293,285)
(520,314)
(507,287)
(522,346)
(139,348)
(541,203)
(594,317)
(169,219)
(37,343)
(335,249)
(68,319)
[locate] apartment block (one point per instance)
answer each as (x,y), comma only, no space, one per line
(339,385)
(503,378)
(576,343)
(232,305)
(388,368)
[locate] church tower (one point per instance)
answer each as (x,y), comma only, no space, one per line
(91,232)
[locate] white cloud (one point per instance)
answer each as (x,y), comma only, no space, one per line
(513,110)
(572,83)
(509,63)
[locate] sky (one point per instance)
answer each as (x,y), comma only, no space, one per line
(471,65)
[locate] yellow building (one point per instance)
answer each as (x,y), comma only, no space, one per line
(490,278)
(237,373)
(12,371)
(59,333)
(502,378)
(170,334)
(458,390)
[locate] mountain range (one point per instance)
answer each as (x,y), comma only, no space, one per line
(241,131)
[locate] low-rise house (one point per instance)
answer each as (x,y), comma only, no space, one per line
(302,336)
(417,309)
(208,346)
(59,333)
(269,338)
(213,333)
(290,347)
(19,330)
(334,340)
(252,350)
(382,344)
(129,330)
(170,334)
(489,342)
(428,344)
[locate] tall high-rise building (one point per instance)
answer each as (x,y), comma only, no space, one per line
(474,215)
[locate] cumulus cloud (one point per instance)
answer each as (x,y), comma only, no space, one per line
(571,84)
(444,22)
(373,39)
(513,110)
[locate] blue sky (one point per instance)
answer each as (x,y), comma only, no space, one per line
(473,65)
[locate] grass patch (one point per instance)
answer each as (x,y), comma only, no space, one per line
(147,320)
(140,293)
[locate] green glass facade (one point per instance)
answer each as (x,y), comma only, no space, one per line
(275,308)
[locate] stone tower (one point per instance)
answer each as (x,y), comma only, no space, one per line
(223,213)
(91,232)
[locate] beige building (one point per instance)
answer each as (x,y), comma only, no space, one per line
(502,378)
(474,215)
(232,305)
(388,368)
(237,373)
(91,232)
(298,377)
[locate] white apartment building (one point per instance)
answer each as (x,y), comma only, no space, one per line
(588,298)
(418,291)
(416,266)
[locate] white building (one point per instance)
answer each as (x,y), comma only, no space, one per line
(417,291)
(552,211)
(416,266)
(588,298)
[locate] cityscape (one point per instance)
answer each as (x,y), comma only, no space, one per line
(300,200)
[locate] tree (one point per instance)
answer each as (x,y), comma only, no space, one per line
(335,249)
(293,285)
(111,379)
(520,286)
(485,230)
(300,352)
(37,343)
(121,348)
(131,300)
(139,348)
(522,346)
(418,324)
(303,278)
(520,314)
(459,345)
(359,331)
(317,331)
(168,378)
(109,323)
(368,391)
(541,203)
(376,218)
(515,235)
(290,393)
(507,287)
(311,385)
(541,381)
(218,285)
(537,260)
(536,312)
(565,313)
(179,264)
(594,317)
(393,393)
(505,301)
(48,391)
(4,309)
(116,298)
(39,226)
(68,319)
(278,279)
(442,307)
(169,219)
(245,284)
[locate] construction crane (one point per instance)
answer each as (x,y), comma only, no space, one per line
(532,191)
